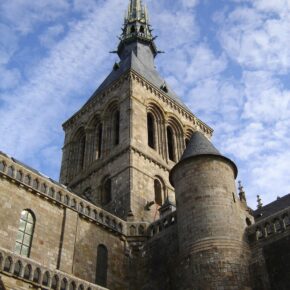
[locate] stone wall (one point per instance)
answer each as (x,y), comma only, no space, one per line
(66,235)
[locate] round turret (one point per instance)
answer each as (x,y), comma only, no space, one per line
(211,219)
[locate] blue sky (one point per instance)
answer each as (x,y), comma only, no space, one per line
(229,60)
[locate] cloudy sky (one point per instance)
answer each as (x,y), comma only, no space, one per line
(229,60)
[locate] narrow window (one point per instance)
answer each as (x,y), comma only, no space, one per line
(100,140)
(46,278)
(25,233)
(82,152)
(8,264)
(2,166)
(27,272)
(107,191)
(133,29)
(151,130)
(36,276)
(10,171)
(158,192)
(17,268)
(63,285)
(116,128)
(55,282)
(142,29)
(102,266)
(170,144)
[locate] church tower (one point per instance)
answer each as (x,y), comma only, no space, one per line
(120,146)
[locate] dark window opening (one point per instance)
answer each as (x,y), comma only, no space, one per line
(100,140)
(151,130)
(133,29)
(102,266)
(107,191)
(158,192)
(186,142)
(170,144)
(142,29)
(117,128)
(82,151)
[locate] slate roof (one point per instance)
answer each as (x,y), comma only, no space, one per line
(140,66)
(199,145)
(272,207)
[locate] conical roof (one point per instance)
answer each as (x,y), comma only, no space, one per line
(199,145)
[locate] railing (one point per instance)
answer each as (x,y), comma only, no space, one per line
(266,228)
(58,194)
(162,224)
(33,273)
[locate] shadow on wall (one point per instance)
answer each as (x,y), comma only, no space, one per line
(2,287)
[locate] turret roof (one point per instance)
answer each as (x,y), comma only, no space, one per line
(199,145)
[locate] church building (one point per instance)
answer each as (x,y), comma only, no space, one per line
(144,200)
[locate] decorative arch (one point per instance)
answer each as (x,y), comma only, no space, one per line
(188,135)
(46,279)
(37,275)
(27,272)
(25,233)
(175,143)
(95,126)
(102,265)
(8,264)
(155,129)
(112,124)
(63,285)
(55,282)
(18,268)
(2,166)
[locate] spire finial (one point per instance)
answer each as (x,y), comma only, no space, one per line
(242,193)
(259,200)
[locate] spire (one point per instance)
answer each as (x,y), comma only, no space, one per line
(259,200)
(136,30)
(242,193)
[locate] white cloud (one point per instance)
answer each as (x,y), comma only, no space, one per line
(51,35)
(256,39)
(23,15)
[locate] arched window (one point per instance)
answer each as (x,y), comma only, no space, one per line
(116,126)
(8,264)
(36,275)
(17,268)
(158,192)
(10,171)
(106,191)
(63,285)
(19,175)
(142,29)
(54,282)
(72,286)
(151,131)
(27,179)
(2,166)
(170,144)
(46,278)
(25,233)
(27,272)
(102,266)
(133,29)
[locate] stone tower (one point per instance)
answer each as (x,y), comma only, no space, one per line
(211,220)
(120,146)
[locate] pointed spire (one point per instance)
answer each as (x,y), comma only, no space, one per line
(259,200)
(136,28)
